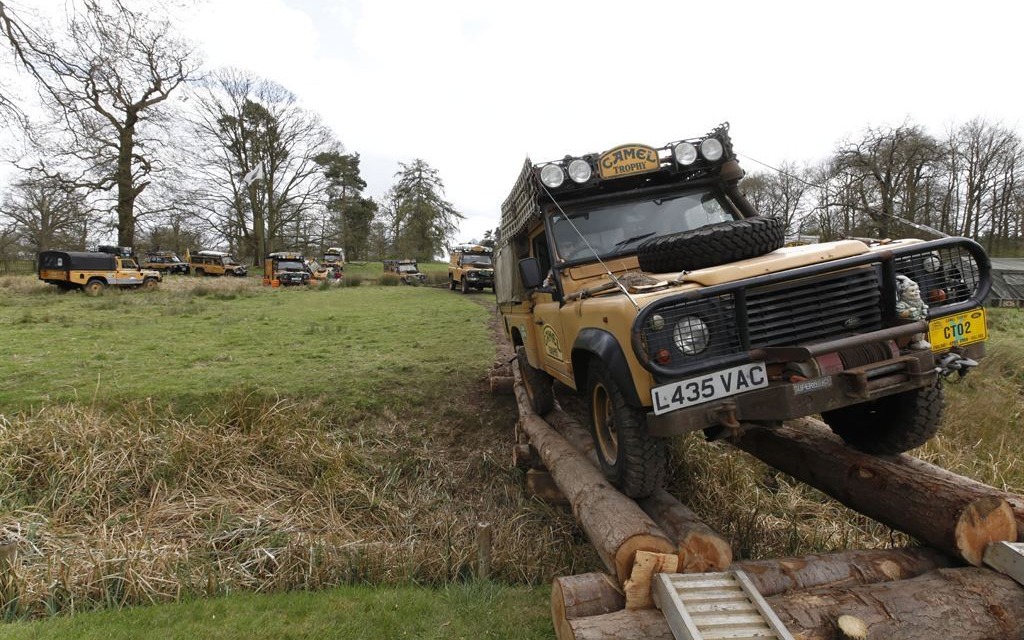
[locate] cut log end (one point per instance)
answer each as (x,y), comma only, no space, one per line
(983,521)
(852,627)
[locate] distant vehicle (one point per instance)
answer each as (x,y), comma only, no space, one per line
(94,271)
(216,263)
(470,268)
(407,270)
(334,257)
(288,268)
(164,261)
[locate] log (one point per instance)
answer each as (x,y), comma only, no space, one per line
(582,596)
(524,457)
(615,525)
(966,604)
(842,569)
(701,549)
(628,624)
(638,587)
(501,385)
(930,508)
(541,485)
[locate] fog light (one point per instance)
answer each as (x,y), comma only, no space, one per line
(552,176)
(711,149)
(685,153)
(663,356)
(579,171)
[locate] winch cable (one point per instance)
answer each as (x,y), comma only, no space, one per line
(572,224)
(916,225)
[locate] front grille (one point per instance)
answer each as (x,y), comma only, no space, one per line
(814,309)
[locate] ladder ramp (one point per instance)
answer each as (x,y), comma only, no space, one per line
(716,606)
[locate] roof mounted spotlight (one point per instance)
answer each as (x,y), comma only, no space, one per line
(685,153)
(711,149)
(580,171)
(552,176)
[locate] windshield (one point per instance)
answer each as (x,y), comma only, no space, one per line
(290,265)
(407,268)
(230,260)
(480,261)
(618,228)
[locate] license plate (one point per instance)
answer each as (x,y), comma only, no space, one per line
(957,330)
(708,387)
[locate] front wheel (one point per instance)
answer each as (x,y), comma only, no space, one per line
(892,424)
(464,285)
(149,284)
(451,283)
(632,460)
(537,383)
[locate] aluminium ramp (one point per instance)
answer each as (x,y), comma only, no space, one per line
(715,606)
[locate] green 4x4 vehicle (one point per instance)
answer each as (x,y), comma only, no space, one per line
(644,279)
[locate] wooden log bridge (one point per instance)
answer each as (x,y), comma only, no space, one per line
(935,506)
(912,594)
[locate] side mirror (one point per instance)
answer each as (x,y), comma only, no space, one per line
(529,272)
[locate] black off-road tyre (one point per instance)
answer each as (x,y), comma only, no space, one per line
(538,385)
(632,460)
(464,285)
(149,284)
(892,424)
(451,283)
(94,287)
(712,245)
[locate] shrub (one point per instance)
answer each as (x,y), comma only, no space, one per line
(388,280)
(352,280)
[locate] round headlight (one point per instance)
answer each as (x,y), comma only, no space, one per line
(711,149)
(685,153)
(691,335)
(931,263)
(579,171)
(552,176)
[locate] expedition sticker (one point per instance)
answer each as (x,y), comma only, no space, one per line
(627,160)
(551,345)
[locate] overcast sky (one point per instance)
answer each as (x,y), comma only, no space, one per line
(473,87)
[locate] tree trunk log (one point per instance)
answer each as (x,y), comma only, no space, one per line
(628,624)
(701,549)
(965,604)
(842,569)
(934,508)
(614,524)
(583,596)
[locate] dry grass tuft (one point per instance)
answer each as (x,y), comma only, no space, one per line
(109,510)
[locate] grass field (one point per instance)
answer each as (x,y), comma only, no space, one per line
(217,438)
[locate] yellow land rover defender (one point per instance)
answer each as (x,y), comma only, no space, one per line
(288,268)
(470,268)
(644,279)
(94,271)
(408,271)
(216,263)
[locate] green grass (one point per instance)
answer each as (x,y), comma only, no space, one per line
(462,611)
(351,348)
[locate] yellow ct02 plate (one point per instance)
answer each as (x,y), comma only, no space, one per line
(957,330)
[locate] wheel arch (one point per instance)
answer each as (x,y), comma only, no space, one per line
(603,345)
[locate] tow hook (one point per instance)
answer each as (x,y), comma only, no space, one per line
(954,362)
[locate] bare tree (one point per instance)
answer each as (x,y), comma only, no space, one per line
(780,194)
(888,166)
(46,214)
(101,87)
(257,174)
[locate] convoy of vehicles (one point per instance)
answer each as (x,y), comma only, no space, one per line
(470,267)
(94,271)
(644,279)
(408,271)
(216,263)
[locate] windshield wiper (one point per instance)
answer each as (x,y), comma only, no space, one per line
(633,239)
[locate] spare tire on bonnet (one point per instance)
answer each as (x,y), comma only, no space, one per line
(712,245)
